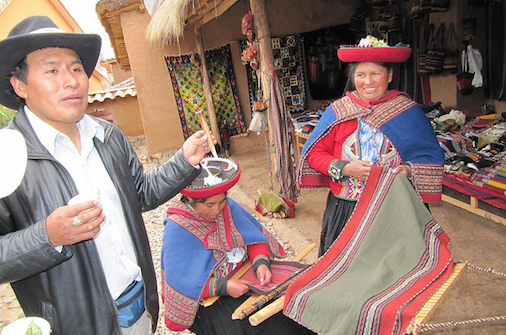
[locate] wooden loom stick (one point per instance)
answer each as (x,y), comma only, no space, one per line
(267,311)
(203,125)
(264,299)
(434,301)
(277,305)
(422,316)
(254,303)
(209,301)
(254,298)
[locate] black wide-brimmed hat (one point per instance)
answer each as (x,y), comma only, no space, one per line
(39,32)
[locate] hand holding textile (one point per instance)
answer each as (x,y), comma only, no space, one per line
(357,169)
(264,274)
(404,169)
(236,288)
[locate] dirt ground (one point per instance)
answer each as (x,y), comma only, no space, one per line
(479,241)
(474,239)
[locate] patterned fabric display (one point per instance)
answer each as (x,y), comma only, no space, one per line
(389,259)
(287,53)
(189,91)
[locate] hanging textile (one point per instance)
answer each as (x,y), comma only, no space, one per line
(189,91)
(287,53)
(388,260)
(282,138)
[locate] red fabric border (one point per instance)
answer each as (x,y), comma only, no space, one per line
(468,188)
(341,242)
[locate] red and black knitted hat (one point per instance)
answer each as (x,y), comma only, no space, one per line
(218,175)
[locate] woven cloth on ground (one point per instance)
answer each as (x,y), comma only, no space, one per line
(189,91)
(389,259)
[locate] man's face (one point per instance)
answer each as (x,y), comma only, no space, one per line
(56,88)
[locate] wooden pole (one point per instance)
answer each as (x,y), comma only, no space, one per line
(207,88)
(263,38)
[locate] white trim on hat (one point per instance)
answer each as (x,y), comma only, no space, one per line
(48,30)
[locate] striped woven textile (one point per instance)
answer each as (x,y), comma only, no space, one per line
(389,259)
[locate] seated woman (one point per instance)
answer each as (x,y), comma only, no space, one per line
(207,236)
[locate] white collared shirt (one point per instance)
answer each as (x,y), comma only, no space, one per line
(86,168)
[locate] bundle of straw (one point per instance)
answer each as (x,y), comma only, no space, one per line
(168,22)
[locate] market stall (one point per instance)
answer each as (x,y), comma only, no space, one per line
(475,166)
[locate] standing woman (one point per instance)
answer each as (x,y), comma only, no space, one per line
(370,126)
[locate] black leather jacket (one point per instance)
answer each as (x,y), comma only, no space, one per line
(69,288)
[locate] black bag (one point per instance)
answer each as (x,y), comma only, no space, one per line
(425,34)
(439,5)
(464,78)
(436,52)
(451,58)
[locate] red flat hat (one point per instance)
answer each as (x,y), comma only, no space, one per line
(372,54)
(218,175)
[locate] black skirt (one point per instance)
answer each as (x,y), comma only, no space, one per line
(337,212)
(216,320)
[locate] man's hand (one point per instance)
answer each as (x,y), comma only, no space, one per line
(357,169)
(60,224)
(236,288)
(264,274)
(196,147)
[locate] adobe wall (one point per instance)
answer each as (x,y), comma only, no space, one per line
(123,112)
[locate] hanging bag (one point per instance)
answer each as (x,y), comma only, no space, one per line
(395,20)
(424,45)
(415,10)
(451,57)
(425,6)
(436,53)
(464,78)
(439,5)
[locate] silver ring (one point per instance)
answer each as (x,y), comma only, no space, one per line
(77,222)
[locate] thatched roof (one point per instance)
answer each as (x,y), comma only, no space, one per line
(167,24)
(173,16)
(108,12)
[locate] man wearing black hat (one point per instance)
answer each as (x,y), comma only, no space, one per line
(84,267)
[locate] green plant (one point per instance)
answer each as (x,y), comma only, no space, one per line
(6,114)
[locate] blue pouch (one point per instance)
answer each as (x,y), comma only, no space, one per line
(130,304)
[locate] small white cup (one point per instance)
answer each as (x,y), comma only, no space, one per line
(20,326)
(82,198)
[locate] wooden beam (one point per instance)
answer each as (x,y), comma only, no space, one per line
(211,14)
(472,206)
(263,38)
(207,88)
